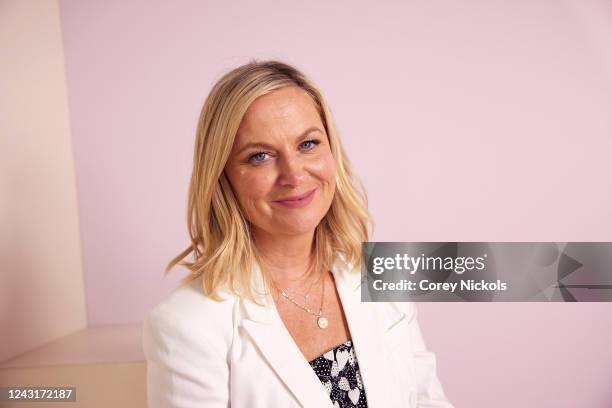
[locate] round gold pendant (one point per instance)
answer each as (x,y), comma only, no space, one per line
(322,322)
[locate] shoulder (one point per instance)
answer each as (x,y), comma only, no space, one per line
(187,314)
(408,308)
(403,310)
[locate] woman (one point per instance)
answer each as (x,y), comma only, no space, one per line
(271,314)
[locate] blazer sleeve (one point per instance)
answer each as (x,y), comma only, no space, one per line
(183,369)
(429,389)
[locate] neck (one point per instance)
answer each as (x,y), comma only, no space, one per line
(286,258)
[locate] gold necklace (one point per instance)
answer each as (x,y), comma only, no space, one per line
(322,321)
(307,294)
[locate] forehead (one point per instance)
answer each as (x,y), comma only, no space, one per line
(286,110)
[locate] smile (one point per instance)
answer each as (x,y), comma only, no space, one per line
(298,201)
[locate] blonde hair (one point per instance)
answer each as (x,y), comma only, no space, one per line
(221,246)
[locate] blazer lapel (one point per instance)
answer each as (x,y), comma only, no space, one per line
(367,328)
(266,328)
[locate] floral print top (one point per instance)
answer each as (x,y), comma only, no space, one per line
(339,373)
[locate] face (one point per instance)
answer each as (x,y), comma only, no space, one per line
(281,168)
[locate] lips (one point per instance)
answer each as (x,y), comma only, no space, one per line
(297,201)
(297,197)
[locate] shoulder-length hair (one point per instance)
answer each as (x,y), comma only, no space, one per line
(222,250)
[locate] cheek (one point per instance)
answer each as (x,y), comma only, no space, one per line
(251,187)
(325,169)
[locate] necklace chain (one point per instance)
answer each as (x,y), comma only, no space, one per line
(322,321)
(307,309)
(306,295)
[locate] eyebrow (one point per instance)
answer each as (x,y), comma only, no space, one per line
(269,146)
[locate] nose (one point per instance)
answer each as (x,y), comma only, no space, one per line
(291,171)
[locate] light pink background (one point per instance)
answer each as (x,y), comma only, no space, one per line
(475,120)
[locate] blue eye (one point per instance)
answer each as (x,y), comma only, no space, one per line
(310,144)
(257,157)
(261,157)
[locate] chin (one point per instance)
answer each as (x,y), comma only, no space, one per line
(296,227)
(293,230)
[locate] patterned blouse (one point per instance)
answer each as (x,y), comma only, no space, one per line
(339,373)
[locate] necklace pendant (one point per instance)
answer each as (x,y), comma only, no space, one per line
(322,322)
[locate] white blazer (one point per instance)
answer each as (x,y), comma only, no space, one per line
(208,354)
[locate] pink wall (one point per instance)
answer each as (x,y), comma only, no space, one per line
(474,120)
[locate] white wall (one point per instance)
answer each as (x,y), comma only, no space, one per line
(41,282)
